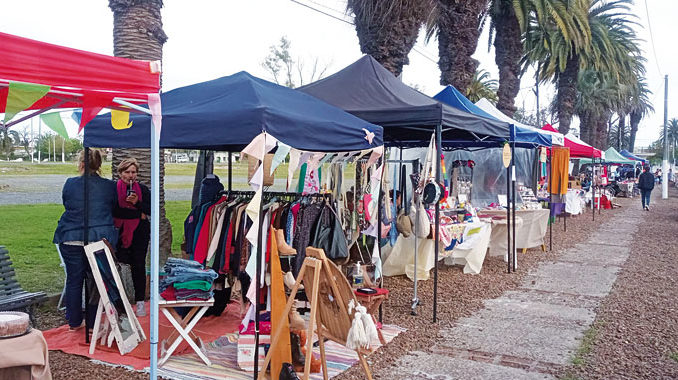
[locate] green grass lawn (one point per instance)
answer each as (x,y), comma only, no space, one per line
(27,231)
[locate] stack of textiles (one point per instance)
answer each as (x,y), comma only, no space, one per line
(186,280)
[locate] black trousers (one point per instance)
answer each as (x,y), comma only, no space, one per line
(135,256)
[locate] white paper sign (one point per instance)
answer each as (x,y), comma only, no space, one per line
(502,200)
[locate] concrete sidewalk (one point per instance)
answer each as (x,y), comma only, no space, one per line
(534,331)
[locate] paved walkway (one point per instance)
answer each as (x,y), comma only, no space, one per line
(533,331)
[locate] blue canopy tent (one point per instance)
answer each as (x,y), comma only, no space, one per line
(524,137)
(227,114)
(631,156)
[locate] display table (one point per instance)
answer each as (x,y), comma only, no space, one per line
(183,326)
(472,250)
(531,227)
(25,357)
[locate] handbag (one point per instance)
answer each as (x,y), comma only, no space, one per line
(403,223)
(421,222)
(329,235)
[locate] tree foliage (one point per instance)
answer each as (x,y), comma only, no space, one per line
(290,72)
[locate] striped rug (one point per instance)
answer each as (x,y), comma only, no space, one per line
(223,353)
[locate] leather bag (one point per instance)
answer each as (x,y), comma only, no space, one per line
(403,223)
(329,235)
(421,223)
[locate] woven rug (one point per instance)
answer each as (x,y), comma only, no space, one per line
(223,353)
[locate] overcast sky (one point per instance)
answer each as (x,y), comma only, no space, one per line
(213,38)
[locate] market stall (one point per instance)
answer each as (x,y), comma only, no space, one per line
(369,91)
(242,112)
(40,77)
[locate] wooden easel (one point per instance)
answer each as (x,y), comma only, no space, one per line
(329,293)
(108,329)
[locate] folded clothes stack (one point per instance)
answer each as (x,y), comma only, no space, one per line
(186,280)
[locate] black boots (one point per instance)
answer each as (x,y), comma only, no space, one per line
(287,372)
(298,358)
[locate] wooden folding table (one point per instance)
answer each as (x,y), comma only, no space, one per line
(183,326)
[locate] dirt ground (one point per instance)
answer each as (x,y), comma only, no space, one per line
(635,334)
(459,295)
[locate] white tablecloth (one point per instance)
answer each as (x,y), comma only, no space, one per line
(529,234)
(574,203)
(471,251)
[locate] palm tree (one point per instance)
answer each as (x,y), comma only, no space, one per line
(482,86)
(138,34)
(458,25)
(611,43)
(388,29)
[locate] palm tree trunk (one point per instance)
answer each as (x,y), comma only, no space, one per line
(508,52)
(621,129)
(388,29)
(567,93)
(458,32)
(634,119)
(138,34)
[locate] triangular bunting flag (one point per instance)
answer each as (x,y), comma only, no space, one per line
(279,156)
(76,116)
(120,119)
(54,122)
(21,96)
(92,103)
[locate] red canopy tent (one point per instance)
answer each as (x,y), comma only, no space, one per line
(59,77)
(578,149)
(76,78)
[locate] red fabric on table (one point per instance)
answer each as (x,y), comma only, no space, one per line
(208,329)
(380,291)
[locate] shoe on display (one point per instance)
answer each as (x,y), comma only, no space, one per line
(283,248)
(141,309)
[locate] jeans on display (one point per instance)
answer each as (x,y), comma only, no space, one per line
(76,269)
(645,197)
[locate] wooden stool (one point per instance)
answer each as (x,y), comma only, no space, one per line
(183,326)
(372,303)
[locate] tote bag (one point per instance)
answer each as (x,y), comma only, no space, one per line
(329,235)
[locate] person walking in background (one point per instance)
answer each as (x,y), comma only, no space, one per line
(131,212)
(69,233)
(646,184)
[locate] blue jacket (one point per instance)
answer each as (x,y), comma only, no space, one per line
(102,198)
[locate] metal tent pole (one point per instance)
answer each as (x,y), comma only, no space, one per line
(155,247)
(85,238)
(415,299)
(508,217)
(550,188)
(230,171)
(439,151)
(513,204)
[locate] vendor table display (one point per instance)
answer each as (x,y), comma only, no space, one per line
(183,326)
(470,252)
(24,355)
(529,234)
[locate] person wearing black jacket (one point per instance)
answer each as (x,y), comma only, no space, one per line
(646,184)
(130,213)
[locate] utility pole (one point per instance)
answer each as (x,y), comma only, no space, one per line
(32,142)
(665,161)
(536,92)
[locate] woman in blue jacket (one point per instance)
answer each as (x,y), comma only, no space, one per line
(69,233)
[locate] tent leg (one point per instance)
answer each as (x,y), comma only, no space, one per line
(508,218)
(230,171)
(85,235)
(550,182)
(439,151)
(513,204)
(155,248)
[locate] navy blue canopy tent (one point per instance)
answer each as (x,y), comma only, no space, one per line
(367,90)
(524,137)
(227,113)
(630,155)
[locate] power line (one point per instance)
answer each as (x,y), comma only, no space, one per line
(319,11)
(654,51)
(350,23)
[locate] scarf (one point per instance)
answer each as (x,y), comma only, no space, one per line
(127,226)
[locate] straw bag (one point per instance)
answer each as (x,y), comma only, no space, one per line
(252,166)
